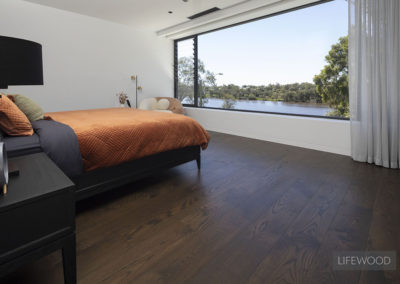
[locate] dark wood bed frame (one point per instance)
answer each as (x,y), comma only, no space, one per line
(101,180)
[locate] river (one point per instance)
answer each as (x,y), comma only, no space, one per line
(273,106)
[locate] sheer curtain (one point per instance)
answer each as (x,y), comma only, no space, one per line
(374,75)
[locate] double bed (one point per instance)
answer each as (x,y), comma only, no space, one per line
(101,149)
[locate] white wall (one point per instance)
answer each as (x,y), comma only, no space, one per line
(86,60)
(315,133)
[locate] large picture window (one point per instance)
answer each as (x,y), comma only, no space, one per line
(291,63)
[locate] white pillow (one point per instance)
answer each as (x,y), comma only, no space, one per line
(153,104)
(148,104)
(163,104)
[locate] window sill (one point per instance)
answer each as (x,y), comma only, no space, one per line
(269,113)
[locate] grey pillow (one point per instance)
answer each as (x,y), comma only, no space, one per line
(32,110)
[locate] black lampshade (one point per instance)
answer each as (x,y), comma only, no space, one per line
(20,62)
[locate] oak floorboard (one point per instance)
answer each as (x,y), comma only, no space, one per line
(257,212)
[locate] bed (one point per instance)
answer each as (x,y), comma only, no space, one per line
(101,149)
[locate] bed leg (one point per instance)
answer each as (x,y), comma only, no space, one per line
(198,160)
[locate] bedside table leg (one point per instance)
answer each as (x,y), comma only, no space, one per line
(69,261)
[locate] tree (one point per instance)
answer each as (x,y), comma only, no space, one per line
(332,83)
(229,101)
(186,80)
(252,97)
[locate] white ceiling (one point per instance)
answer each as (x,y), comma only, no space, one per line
(144,14)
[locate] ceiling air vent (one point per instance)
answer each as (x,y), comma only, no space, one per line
(209,11)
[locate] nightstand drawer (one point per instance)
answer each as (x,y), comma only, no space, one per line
(35,223)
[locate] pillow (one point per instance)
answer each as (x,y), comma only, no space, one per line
(152,103)
(163,104)
(31,109)
(12,120)
(174,105)
(148,104)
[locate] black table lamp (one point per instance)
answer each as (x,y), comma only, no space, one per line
(20,62)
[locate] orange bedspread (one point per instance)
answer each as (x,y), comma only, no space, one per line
(108,137)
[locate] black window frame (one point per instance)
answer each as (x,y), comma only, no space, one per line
(195,71)
(195,65)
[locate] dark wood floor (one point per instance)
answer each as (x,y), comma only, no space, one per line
(258,212)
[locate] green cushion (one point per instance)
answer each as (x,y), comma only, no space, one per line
(32,110)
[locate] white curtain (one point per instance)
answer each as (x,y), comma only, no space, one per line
(374,75)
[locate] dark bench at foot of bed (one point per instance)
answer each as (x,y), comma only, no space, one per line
(101,180)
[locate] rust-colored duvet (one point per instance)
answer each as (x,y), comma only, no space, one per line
(108,137)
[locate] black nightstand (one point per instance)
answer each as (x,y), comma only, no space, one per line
(37,215)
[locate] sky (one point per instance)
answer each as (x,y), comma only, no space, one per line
(283,49)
